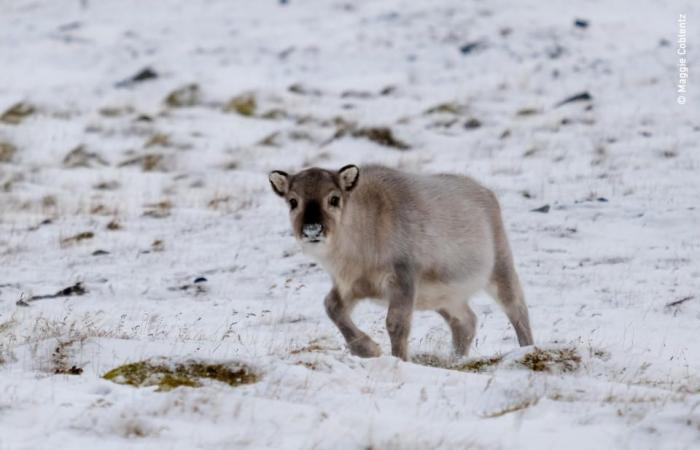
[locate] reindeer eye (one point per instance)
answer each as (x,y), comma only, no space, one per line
(334,201)
(293,203)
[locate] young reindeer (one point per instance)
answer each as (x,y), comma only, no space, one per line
(413,241)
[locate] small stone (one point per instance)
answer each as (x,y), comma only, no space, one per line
(471,47)
(143,75)
(472,124)
(582,96)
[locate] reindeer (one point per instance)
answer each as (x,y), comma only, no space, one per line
(426,242)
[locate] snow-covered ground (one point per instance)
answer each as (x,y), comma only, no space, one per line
(170,193)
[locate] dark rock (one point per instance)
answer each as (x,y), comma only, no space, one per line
(542,209)
(74,290)
(471,47)
(144,74)
(74,370)
(200,280)
(580,97)
(472,124)
(298,88)
(581,23)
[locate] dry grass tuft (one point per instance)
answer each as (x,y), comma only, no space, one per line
(158,210)
(518,406)
(77,238)
(79,157)
(107,185)
(446,108)
(60,360)
(157,246)
(5,354)
(271,140)
(115,111)
(158,140)
(475,365)
(382,136)
(15,114)
(314,346)
(149,162)
(7,152)
(551,360)
(186,96)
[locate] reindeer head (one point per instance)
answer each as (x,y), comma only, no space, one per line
(316,198)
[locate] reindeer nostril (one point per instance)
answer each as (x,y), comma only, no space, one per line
(312,230)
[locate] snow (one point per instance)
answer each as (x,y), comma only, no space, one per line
(618,244)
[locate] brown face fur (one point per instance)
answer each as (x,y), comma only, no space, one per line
(315,197)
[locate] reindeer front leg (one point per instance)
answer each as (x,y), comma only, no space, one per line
(339,312)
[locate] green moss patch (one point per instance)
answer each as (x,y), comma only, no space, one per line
(244,104)
(167,376)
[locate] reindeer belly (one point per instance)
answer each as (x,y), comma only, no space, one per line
(436,295)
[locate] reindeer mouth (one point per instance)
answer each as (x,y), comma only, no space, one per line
(313,233)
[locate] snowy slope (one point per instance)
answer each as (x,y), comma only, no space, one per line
(186,192)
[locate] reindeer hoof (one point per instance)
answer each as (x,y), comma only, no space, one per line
(365,348)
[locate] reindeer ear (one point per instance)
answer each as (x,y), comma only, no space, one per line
(280,182)
(349,175)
